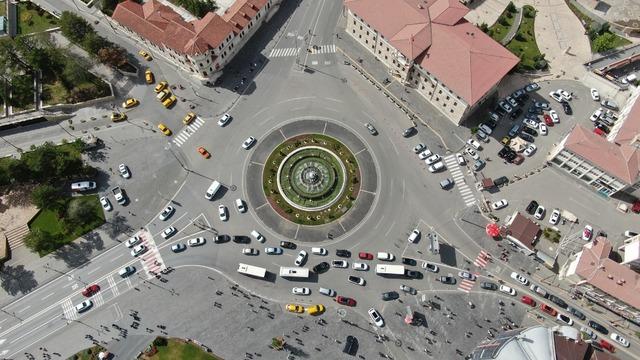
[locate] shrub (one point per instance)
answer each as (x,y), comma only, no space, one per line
(520,37)
(511,8)
(160,341)
(503,21)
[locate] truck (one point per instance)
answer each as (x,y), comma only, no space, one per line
(252,270)
(386,269)
(294,272)
(121,198)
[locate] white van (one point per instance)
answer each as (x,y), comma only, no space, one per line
(256,235)
(319,251)
(83,186)
(212,190)
(386,256)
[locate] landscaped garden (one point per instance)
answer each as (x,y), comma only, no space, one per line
(600,36)
(311,179)
(175,349)
(33,19)
(502,26)
(524,43)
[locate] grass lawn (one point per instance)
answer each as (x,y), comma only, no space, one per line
(34,19)
(47,220)
(499,31)
(88,354)
(54,92)
(179,350)
(524,44)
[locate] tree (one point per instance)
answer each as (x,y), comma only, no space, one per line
(74,73)
(22,90)
(511,7)
(113,56)
(198,8)
(79,212)
(484,27)
(604,42)
(45,196)
(74,27)
(40,241)
(108,6)
(94,42)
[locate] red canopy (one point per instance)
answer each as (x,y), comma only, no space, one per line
(493,230)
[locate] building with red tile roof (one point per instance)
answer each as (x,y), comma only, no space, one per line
(428,45)
(522,231)
(603,280)
(201,46)
(608,165)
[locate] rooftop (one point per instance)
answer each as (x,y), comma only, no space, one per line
(524,229)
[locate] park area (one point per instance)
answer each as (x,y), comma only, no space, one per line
(33,19)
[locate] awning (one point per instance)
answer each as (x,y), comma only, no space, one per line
(493,230)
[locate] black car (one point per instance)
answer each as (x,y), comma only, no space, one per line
(531,208)
(530,131)
(413,274)
(350,345)
(490,123)
(488,286)
(288,245)
(501,181)
(514,115)
(221,239)
(343,253)
(321,268)
(526,137)
(577,313)
(408,132)
(409,261)
(567,108)
(241,239)
(450,280)
(535,110)
(504,152)
(597,327)
(603,127)
(511,156)
(498,110)
(390,295)
(556,300)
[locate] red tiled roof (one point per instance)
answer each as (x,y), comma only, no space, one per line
(240,13)
(523,229)
(629,132)
(617,280)
(435,35)
(162,26)
(621,161)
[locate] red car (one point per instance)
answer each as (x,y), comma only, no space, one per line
(91,290)
(345,301)
(606,345)
(548,120)
(529,301)
(365,256)
(548,309)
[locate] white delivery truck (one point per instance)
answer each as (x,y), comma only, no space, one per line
(386,269)
(252,270)
(294,272)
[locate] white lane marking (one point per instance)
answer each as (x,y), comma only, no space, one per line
(389,230)
(94,270)
(116,258)
(34,329)
(47,296)
(23,309)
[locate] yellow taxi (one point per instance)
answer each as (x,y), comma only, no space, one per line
(163,94)
(148,75)
(117,117)
(295,308)
(169,101)
(165,130)
(315,309)
(145,55)
(505,140)
(130,102)
(189,118)
(161,86)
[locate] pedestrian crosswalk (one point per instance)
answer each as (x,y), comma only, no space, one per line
(482,259)
(68,310)
(112,285)
(466,285)
(313,50)
(458,178)
(151,260)
(189,130)
(284,52)
(323,49)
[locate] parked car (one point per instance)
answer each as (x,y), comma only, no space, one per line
(360,266)
(567,108)
(488,286)
(372,130)
(595,95)
(248,142)
(460,159)
(497,205)
(375,317)
(597,327)
(413,237)
(340,264)
(169,232)
(365,256)
(539,290)
(302,258)
(531,208)
(447,279)
(430,267)
(604,344)
(446,184)
(419,148)
(408,289)
(564,319)
(343,300)
(106,204)
(619,339)
(350,345)
(554,117)
(548,309)
(343,253)
(566,96)
(531,87)
(577,313)
(390,295)
(539,214)
(507,290)
(519,278)
(609,104)
(530,149)
(555,217)
(478,164)
(409,261)
(300,291)
(587,233)
(321,267)
(166,213)
(527,300)
(221,238)
(385,256)
(556,96)
(356,280)
(250,251)
(474,144)
(556,300)
(543,129)
(288,245)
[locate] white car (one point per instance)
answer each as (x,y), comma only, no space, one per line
(106,204)
(168,232)
(539,214)
(554,116)
(256,235)
(273,251)
(132,241)
(505,106)
(419,148)
(543,129)
(460,159)
(84,306)
(302,257)
(519,278)
(224,120)
(408,289)
(530,150)
(375,317)
(360,266)
(595,95)
(340,264)
(564,319)
(138,249)
(485,128)
(196,241)
(240,206)
(507,290)
(474,155)
(385,256)
(414,235)
(556,96)
(530,123)
(587,233)
(497,205)
(124,171)
(619,339)
(555,217)
(474,144)
(566,96)
(467,275)
(430,267)
(300,291)
(436,167)
(222,213)
(166,213)
(539,290)
(596,114)
(178,247)
(425,154)
(432,159)
(248,142)
(250,251)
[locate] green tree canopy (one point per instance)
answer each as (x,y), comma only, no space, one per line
(40,241)
(45,196)
(604,42)
(74,27)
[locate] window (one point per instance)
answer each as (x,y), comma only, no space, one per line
(360,27)
(447,97)
(415,82)
(422,87)
(455,104)
(385,57)
(379,52)
(353,31)
(367,33)
(366,41)
(204,73)
(354,22)
(440,92)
